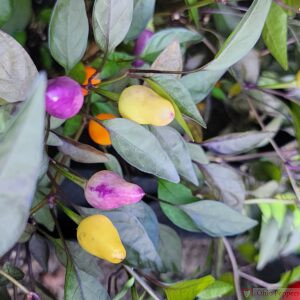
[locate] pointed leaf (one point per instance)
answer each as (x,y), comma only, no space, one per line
(140,148)
(217,219)
(111,22)
(226,184)
(236,143)
(275,34)
(176,148)
(81,152)
(142,14)
(68,32)
(6,8)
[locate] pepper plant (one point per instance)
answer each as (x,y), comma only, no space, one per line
(127,126)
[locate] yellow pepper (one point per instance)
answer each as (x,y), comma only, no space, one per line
(142,105)
(98,236)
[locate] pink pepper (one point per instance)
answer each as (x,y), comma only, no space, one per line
(64,97)
(140,45)
(107,190)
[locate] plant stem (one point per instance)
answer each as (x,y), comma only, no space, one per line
(257,281)
(108,82)
(141,282)
(71,176)
(15,282)
(70,213)
(277,150)
(235,269)
(268,200)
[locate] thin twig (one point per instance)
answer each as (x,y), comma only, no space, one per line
(257,281)
(15,282)
(277,150)
(235,269)
(144,284)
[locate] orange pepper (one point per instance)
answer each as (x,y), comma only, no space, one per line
(97,132)
(90,71)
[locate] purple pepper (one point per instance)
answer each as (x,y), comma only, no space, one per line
(64,97)
(107,190)
(140,45)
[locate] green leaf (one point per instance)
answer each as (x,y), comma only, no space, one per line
(275,34)
(78,73)
(237,45)
(175,193)
(169,249)
(236,143)
(111,22)
(138,228)
(21,15)
(19,173)
(178,115)
(226,184)
(295,111)
(289,277)
(128,284)
(181,96)
(189,289)
(113,164)
(197,153)
(82,259)
(216,290)
(142,14)
(68,32)
(82,286)
(169,59)
(217,219)
(175,146)
(17,70)
(6,8)
(193,12)
(178,217)
(161,39)
(82,153)
(72,125)
(11,270)
(140,148)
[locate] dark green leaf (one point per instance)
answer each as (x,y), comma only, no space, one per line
(72,125)
(17,70)
(275,34)
(295,111)
(226,184)
(78,73)
(21,15)
(197,153)
(236,143)
(169,249)
(82,259)
(175,193)
(142,13)
(111,22)
(68,32)
(19,173)
(217,219)
(82,286)
(6,8)
(140,148)
(163,38)
(11,270)
(175,146)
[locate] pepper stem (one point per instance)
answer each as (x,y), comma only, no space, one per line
(69,212)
